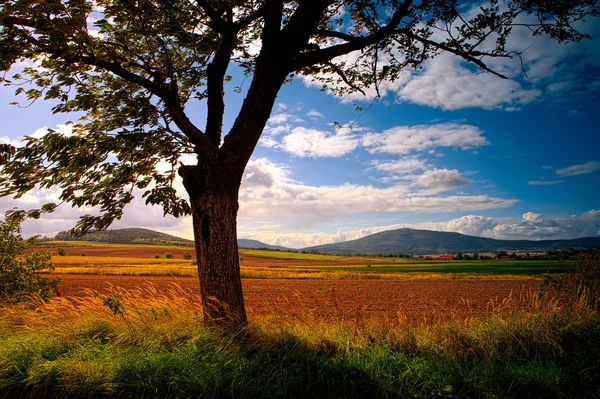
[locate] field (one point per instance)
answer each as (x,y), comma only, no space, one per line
(138,260)
(129,325)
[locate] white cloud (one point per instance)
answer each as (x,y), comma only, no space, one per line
(544,182)
(443,179)
(303,142)
(532,226)
(399,166)
(296,205)
(407,139)
(314,114)
(576,170)
(448,85)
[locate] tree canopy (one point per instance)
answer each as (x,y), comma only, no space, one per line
(128,69)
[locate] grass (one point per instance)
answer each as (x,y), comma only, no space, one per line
(292,255)
(144,344)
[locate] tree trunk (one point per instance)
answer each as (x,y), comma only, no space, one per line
(215,222)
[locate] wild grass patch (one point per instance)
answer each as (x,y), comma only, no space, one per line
(145,343)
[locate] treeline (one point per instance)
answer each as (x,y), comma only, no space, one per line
(126,236)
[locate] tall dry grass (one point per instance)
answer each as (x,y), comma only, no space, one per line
(146,343)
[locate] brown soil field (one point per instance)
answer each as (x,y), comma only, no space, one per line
(147,252)
(116,251)
(343,300)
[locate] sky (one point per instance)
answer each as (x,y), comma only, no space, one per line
(448,148)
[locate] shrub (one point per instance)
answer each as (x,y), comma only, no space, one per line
(168,255)
(156,256)
(187,256)
(18,280)
(83,254)
(61,252)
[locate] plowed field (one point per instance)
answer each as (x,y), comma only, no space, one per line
(350,300)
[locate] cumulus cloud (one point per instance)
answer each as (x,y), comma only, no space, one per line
(291,203)
(406,139)
(399,166)
(532,226)
(303,142)
(448,85)
(442,178)
(576,170)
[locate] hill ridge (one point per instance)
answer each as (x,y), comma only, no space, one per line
(406,240)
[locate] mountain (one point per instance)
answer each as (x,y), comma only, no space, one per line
(147,236)
(255,244)
(406,241)
(126,236)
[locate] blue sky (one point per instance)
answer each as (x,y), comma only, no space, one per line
(447,148)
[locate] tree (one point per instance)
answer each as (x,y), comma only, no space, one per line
(131,67)
(18,280)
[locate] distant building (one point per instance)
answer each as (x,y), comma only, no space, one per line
(446,257)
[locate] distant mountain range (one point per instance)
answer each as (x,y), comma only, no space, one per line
(147,236)
(255,244)
(401,241)
(406,241)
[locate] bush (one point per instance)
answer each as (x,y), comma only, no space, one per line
(61,252)
(187,256)
(83,254)
(168,255)
(156,256)
(18,280)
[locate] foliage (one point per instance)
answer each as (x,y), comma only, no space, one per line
(18,281)
(61,252)
(168,255)
(132,70)
(187,256)
(156,256)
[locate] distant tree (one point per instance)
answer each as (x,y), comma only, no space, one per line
(61,252)
(131,73)
(18,281)
(187,256)
(501,254)
(168,255)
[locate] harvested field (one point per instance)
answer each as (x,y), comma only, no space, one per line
(348,300)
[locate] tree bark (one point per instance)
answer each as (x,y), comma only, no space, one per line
(214,215)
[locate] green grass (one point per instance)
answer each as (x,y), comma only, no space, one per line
(482,267)
(290,255)
(158,348)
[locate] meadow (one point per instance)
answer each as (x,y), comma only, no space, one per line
(319,326)
(139,260)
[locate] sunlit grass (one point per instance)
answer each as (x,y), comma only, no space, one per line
(142,343)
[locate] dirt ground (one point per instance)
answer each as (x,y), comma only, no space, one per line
(350,300)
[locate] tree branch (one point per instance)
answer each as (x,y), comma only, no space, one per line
(463,54)
(215,17)
(322,56)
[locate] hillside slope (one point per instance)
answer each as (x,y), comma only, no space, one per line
(147,236)
(403,241)
(127,236)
